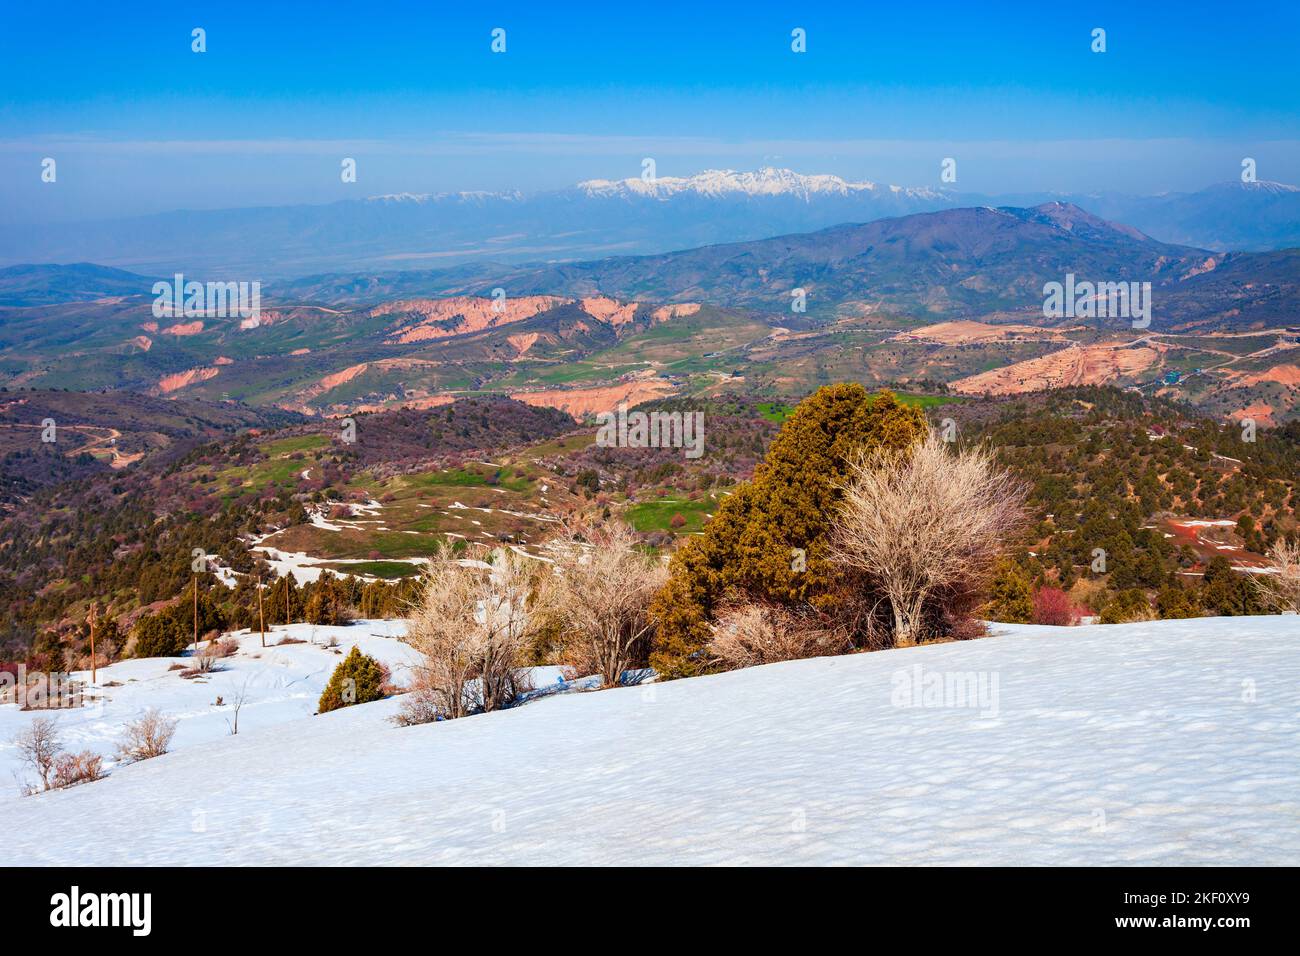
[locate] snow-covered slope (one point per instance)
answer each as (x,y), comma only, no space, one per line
(281,682)
(1167,742)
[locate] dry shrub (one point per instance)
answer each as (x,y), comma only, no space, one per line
(386,686)
(150,736)
(472,626)
(225,647)
(421,704)
(964,627)
(72,769)
(40,749)
(746,635)
(922,528)
(599,596)
(205,661)
(1280,592)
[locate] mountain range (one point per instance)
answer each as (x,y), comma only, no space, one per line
(596,217)
(953,296)
(957,263)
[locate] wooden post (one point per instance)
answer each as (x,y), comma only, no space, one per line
(92,642)
(261,618)
(196,612)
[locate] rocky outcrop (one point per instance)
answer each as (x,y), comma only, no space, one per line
(460,315)
(604,398)
(179,380)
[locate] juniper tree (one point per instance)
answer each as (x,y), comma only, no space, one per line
(769,540)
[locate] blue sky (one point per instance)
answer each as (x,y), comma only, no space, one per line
(139,123)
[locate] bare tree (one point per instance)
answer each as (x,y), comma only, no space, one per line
(746,635)
(241,698)
(600,596)
(147,737)
(39,746)
(926,522)
(471,625)
(1281,591)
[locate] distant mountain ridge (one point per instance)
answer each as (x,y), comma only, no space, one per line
(715,183)
(597,217)
(1248,217)
(767,181)
(955,263)
(582,333)
(47,284)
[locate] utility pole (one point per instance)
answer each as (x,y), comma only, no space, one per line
(92,642)
(261,618)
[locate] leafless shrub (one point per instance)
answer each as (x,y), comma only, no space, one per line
(150,736)
(421,704)
(72,769)
(599,595)
(1280,592)
(225,647)
(926,521)
(746,635)
(206,660)
(471,624)
(38,748)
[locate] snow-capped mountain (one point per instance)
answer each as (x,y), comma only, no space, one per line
(767,181)
(408,229)
(595,218)
(463,196)
(1261,186)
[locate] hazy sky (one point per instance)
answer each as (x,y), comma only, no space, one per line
(139,123)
